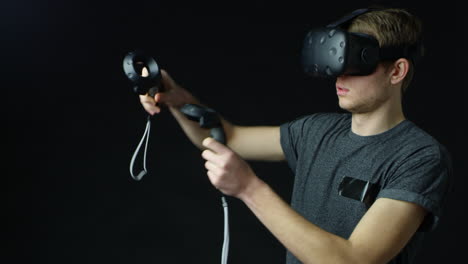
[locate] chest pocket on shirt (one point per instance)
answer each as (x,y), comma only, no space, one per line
(360,190)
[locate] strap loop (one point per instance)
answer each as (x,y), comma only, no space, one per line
(146,135)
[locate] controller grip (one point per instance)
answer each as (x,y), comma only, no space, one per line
(193,112)
(154,90)
(207,118)
(218,134)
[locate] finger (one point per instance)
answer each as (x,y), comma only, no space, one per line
(152,110)
(214,145)
(212,157)
(144,72)
(149,104)
(160,98)
(213,178)
(145,99)
(210,166)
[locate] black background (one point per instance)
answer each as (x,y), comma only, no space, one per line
(72,123)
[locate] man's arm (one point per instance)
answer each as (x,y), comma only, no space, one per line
(252,143)
(384,230)
(256,143)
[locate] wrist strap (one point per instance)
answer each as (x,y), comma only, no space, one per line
(146,135)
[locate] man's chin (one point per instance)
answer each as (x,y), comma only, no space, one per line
(344,106)
(349,108)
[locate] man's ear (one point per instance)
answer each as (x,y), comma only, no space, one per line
(399,70)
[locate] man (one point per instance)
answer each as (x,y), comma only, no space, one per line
(368,183)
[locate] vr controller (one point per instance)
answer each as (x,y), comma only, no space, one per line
(133,64)
(207,118)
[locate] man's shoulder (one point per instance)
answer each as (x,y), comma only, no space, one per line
(416,137)
(416,144)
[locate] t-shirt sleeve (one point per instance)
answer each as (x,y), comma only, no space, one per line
(423,179)
(291,134)
(298,136)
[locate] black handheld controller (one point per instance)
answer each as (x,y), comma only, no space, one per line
(151,83)
(207,118)
(133,65)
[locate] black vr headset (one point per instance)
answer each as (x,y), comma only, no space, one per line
(332,51)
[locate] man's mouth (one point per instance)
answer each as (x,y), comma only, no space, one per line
(341,90)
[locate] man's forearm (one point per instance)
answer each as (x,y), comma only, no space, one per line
(192,129)
(251,143)
(306,241)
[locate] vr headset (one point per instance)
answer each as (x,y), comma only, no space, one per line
(332,51)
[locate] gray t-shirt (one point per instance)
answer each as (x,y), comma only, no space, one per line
(405,163)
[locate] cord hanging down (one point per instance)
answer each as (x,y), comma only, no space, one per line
(225,251)
(146,135)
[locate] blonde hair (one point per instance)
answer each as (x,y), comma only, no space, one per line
(391,27)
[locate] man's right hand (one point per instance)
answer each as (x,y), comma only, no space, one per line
(173,95)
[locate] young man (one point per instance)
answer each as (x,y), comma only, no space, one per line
(367,183)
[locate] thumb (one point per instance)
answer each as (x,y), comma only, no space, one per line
(159,97)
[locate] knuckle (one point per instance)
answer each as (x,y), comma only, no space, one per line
(224,171)
(230,155)
(224,166)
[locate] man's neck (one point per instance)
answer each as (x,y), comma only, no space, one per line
(376,122)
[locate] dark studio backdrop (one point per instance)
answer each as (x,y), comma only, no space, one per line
(72,123)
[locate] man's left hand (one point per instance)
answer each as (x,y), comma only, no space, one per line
(227,171)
